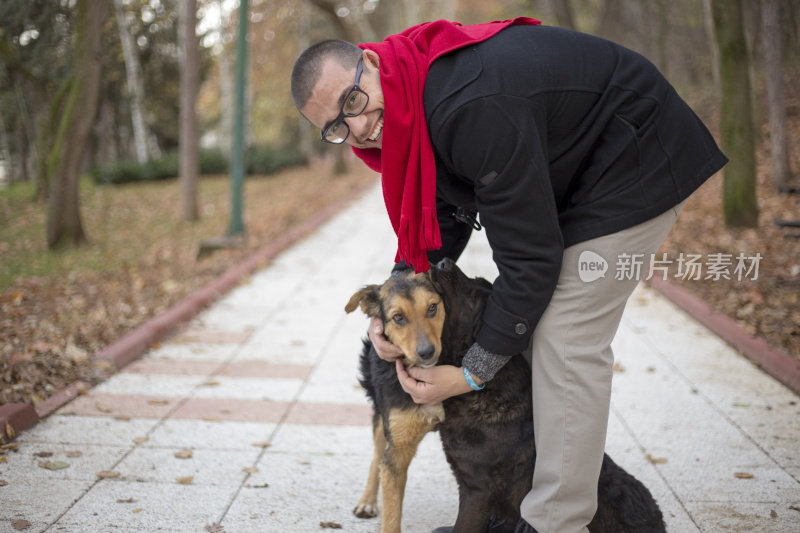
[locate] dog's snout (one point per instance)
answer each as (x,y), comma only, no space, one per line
(426,351)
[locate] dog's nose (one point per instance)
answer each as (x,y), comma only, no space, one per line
(426,353)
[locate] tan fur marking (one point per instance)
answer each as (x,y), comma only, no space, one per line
(367,506)
(407,427)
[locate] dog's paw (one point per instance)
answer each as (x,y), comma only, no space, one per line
(366,510)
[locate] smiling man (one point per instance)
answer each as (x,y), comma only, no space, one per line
(561,143)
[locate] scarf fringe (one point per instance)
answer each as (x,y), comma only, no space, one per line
(412,244)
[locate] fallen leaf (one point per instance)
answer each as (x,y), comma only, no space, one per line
(330,525)
(741,405)
(210,383)
(108,474)
(122,418)
(187,480)
(250,469)
(210,419)
(9,446)
(158,402)
(184,454)
(214,528)
(137,510)
(74,454)
(103,408)
(20,525)
(126,500)
(264,444)
(43,454)
(656,460)
(53,465)
(618,367)
(3,459)
(651,369)
(140,440)
(10,431)
(262,486)
(743,475)
(3,482)
(773,514)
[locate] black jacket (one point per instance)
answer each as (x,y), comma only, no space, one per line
(554,137)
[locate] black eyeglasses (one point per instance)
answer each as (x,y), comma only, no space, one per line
(354,104)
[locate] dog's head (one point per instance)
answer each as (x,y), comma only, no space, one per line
(421,313)
(412,313)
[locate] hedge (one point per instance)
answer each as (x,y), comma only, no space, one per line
(260,159)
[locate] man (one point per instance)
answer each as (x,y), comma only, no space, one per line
(563,143)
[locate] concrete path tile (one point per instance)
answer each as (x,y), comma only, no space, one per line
(206,467)
(150,385)
(121,405)
(261,369)
(713,517)
(114,504)
(213,409)
(326,414)
(180,367)
(193,351)
(40,503)
(83,462)
(624,450)
(202,434)
(306,489)
(86,430)
(269,389)
(323,440)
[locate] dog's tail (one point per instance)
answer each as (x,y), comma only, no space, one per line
(365,371)
(624,503)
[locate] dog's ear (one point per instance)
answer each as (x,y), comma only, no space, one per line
(368,299)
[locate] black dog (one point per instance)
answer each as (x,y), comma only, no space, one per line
(487,436)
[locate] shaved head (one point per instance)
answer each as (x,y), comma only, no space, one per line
(308,67)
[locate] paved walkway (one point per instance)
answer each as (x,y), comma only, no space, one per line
(251,418)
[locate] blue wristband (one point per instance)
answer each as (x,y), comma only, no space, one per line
(471,381)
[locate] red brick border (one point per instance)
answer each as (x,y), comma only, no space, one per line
(132,345)
(773,361)
(15,417)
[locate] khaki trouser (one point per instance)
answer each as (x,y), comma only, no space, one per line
(571,360)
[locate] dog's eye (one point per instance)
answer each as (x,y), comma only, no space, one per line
(432,310)
(399,318)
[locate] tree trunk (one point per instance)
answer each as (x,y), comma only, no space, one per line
(5,148)
(135,87)
(64,226)
(775,99)
(188,137)
(739,186)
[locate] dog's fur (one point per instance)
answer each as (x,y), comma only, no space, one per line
(487,436)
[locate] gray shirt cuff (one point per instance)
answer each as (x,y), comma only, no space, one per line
(483,364)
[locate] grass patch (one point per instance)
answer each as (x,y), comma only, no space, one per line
(138,224)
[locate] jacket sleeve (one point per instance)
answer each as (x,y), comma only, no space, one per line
(499,144)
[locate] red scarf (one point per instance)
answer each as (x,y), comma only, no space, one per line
(406,162)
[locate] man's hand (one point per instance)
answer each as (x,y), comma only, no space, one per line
(434,384)
(385,349)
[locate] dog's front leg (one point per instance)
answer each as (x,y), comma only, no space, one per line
(406,428)
(367,506)
(473,512)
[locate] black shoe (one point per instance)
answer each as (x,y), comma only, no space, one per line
(443,529)
(524,527)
